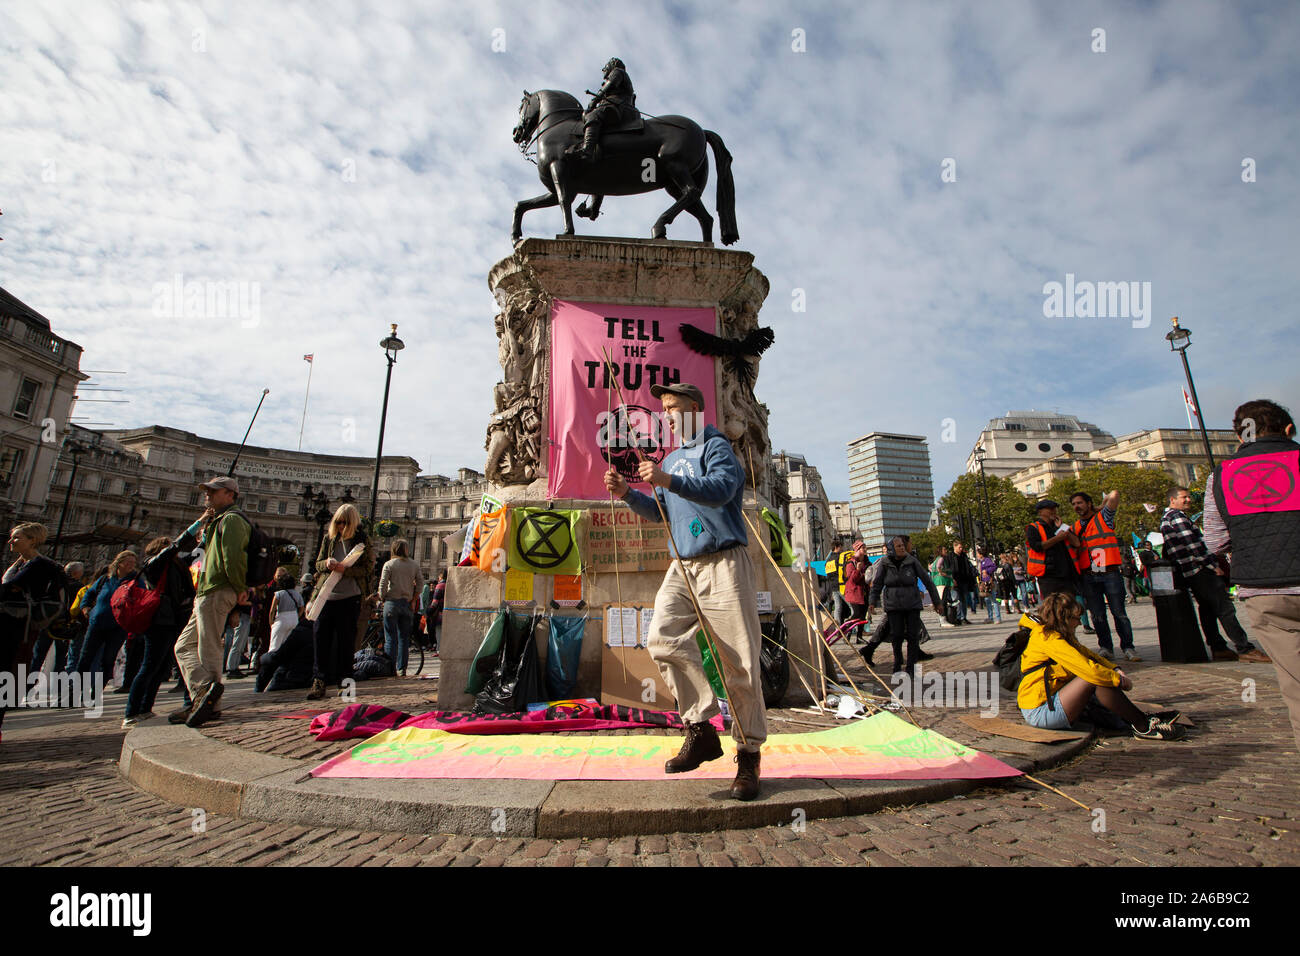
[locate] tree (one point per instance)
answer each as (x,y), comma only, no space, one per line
(1009,509)
(1137,487)
(927,543)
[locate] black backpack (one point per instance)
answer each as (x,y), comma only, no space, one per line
(1007,661)
(261,555)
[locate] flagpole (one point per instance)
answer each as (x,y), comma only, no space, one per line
(1187,407)
(310,366)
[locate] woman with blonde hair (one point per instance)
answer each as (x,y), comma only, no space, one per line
(104,636)
(336,627)
(1060,676)
(32,594)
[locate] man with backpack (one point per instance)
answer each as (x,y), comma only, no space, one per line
(224,537)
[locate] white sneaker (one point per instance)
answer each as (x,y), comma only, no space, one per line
(946,624)
(1131,655)
(129,722)
(1105,653)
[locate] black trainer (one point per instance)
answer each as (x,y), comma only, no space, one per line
(205,706)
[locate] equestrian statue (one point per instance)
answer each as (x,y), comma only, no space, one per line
(608,150)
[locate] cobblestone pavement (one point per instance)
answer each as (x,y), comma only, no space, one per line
(1225,796)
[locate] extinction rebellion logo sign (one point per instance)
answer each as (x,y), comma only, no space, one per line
(544,539)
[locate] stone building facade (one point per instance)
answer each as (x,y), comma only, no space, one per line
(144,482)
(39,373)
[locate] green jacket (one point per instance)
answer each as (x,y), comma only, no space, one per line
(225,553)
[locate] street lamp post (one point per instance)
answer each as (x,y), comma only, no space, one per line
(391,346)
(1179,338)
(984,494)
(76,450)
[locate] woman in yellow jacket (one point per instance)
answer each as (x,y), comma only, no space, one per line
(1060,676)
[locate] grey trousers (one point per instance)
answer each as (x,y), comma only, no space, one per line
(724,585)
(1275,623)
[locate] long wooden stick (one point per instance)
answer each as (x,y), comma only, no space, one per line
(808,617)
(1054,790)
(681,567)
(817,630)
(613,529)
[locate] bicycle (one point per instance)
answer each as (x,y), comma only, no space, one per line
(416,646)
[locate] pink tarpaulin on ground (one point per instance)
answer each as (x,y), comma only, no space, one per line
(365,720)
(646,348)
(881,747)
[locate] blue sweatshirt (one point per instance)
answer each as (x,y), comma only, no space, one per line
(708,487)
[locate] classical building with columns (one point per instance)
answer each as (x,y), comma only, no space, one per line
(135,484)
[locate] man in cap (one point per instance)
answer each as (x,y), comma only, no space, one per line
(223,534)
(701,488)
(1050,559)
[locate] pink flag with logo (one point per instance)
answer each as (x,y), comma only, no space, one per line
(645,345)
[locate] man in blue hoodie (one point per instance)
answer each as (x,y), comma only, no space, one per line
(701,487)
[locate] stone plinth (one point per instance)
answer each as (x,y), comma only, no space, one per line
(633,272)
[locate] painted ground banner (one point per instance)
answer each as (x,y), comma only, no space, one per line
(646,347)
(882,747)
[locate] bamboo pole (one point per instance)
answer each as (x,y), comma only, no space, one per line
(613,530)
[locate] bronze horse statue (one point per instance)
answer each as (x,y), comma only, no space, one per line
(669,153)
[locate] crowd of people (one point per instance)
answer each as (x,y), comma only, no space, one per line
(203,625)
(1076,574)
(205,621)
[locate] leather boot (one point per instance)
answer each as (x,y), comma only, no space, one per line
(590,148)
(701,744)
(745,786)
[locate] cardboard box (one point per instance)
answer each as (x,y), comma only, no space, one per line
(631,691)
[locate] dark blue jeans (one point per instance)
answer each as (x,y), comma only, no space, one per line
(965,601)
(42,647)
(99,652)
(158,644)
(398,620)
(1100,589)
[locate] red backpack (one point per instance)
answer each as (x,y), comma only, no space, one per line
(134,605)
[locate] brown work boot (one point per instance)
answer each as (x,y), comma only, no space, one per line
(1223,654)
(1254,657)
(745,786)
(701,744)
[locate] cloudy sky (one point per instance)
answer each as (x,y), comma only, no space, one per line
(352,163)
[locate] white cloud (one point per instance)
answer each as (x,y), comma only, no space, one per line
(924,299)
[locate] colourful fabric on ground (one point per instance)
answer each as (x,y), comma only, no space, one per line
(366,720)
(878,748)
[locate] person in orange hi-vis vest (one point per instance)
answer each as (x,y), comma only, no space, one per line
(1051,560)
(1102,582)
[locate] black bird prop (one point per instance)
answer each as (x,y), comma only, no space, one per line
(733,351)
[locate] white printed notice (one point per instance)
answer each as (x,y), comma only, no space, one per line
(646,614)
(621,626)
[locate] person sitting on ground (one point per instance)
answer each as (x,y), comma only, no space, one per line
(289,666)
(1061,676)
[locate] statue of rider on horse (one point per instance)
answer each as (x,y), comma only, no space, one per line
(607,150)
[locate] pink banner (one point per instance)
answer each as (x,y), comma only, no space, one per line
(645,345)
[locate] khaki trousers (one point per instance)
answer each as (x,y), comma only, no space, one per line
(724,584)
(1275,623)
(198,649)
